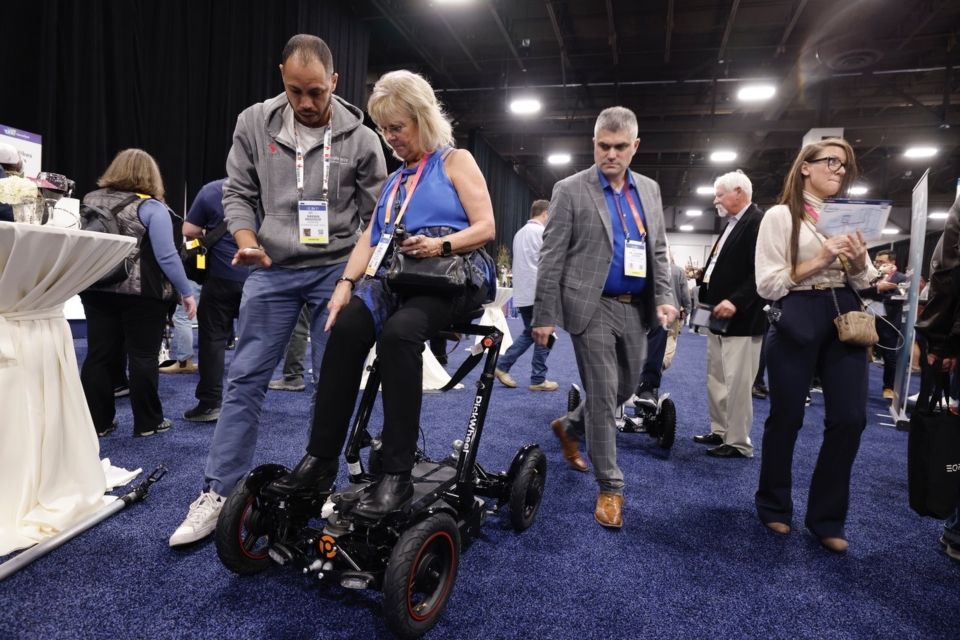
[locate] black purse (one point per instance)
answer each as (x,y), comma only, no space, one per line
(437,276)
(933,451)
(440,276)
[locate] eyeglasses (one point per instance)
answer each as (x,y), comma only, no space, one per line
(392,130)
(833,163)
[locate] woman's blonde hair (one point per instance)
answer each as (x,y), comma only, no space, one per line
(792,194)
(133,170)
(402,93)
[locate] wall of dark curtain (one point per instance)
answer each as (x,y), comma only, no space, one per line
(511,195)
(168,76)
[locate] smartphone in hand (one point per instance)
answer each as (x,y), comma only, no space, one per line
(552,339)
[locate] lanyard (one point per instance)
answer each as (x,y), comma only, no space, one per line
(393,194)
(327,143)
(813,212)
(633,210)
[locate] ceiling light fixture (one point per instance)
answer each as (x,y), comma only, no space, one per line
(525,106)
(938,215)
(890,231)
(705,191)
(694,212)
(558,158)
(920,152)
(686,227)
(723,156)
(857,191)
(756,92)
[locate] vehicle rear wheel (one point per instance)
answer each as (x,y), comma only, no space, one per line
(526,492)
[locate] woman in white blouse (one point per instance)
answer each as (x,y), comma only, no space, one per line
(801,271)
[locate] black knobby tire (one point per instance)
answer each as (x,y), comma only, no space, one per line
(420,575)
(573,398)
(243,536)
(526,491)
(668,424)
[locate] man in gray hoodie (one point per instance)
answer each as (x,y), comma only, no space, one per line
(303,177)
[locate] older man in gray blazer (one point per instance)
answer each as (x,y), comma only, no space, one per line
(603,275)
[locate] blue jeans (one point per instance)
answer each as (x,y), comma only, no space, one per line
(183,327)
(951,527)
(520,345)
(271,303)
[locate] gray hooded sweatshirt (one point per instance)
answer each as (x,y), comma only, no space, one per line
(261,186)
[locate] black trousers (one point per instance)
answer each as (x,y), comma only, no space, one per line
(400,352)
(802,342)
(116,322)
(219,306)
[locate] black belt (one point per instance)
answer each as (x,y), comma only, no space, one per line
(625,298)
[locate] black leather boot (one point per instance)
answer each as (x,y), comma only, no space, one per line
(393,492)
(312,474)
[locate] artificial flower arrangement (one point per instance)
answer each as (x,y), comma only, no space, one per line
(14,190)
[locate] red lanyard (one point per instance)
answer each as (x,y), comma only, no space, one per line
(633,210)
(396,187)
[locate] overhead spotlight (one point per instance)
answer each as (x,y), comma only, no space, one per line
(452,1)
(938,215)
(524,106)
(723,156)
(686,227)
(857,191)
(890,231)
(558,158)
(694,212)
(705,191)
(756,92)
(920,152)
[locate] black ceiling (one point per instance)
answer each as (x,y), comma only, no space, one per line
(883,70)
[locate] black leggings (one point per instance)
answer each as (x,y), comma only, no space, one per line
(400,351)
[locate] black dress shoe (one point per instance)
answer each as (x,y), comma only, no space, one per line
(725,451)
(311,474)
(710,438)
(394,491)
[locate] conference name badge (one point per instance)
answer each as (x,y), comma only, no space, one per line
(635,259)
(378,254)
(314,222)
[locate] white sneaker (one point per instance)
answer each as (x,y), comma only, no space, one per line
(201,519)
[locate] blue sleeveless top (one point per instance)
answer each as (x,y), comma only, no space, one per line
(434,204)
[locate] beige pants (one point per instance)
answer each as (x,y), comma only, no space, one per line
(732,364)
(673,332)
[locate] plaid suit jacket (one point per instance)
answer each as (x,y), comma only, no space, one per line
(578,250)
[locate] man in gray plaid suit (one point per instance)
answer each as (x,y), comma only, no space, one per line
(604,276)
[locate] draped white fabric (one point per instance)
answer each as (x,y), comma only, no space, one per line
(493,316)
(50,470)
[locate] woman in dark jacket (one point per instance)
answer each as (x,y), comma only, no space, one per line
(130,312)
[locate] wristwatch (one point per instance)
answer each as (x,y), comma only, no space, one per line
(446,248)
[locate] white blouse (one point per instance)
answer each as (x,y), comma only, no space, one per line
(773,264)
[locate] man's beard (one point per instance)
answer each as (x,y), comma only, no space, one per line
(722,211)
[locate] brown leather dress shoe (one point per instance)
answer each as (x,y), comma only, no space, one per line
(569,447)
(608,511)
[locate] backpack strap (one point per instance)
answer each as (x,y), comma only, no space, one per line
(213,236)
(116,209)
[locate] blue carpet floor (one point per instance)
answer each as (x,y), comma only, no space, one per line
(691,561)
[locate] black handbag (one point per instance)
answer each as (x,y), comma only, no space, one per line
(438,276)
(191,250)
(933,453)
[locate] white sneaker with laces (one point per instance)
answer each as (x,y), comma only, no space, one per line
(201,520)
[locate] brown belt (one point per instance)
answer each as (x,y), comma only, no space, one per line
(625,298)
